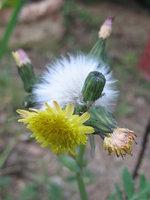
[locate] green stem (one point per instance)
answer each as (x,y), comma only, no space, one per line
(79,176)
(10,27)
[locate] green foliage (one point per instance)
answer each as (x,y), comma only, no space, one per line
(125,109)
(88,178)
(30,192)
(70,163)
(10,27)
(12,94)
(55,192)
(143,192)
(8,3)
(72,12)
(128,183)
(4,182)
(92,144)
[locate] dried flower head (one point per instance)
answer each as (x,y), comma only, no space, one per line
(119,142)
(56,128)
(20,57)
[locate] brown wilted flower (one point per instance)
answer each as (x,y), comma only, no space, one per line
(120,142)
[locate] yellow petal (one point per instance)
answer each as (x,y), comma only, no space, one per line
(57,107)
(48,108)
(83,118)
(23,113)
(69,110)
(16,57)
(87,129)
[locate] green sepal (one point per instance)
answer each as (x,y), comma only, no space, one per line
(93,86)
(92,144)
(27,75)
(101,120)
(99,51)
(80,109)
(29,101)
(70,163)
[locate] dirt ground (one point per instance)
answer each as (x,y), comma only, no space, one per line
(130,33)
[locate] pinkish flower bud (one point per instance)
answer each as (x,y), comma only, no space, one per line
(106,28)
(21,58)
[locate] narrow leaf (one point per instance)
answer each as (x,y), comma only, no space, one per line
(128,183)
(142,195)
(92,144)
(119,192)
(10,27)
(112,197)
(142,183)
(69,162)
(71,179)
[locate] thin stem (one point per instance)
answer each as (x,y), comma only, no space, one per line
(141,154)
(79,176)
(10,27)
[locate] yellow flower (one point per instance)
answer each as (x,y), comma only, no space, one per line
(56,128)
(120,142)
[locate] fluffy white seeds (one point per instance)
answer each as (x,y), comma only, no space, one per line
(64,79)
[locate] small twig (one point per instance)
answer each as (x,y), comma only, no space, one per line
(143,148)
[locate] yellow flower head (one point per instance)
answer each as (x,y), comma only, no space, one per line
(56,128)
(119,142)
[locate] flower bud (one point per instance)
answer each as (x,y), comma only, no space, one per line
(99,49)
(93,86)
(25,69)
(21,58)
(106,28)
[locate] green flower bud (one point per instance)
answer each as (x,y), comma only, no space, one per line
(25,69)
(93,86)
(99,49)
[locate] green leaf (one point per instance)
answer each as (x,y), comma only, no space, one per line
(112,197)
(10,27)
(55,191)
(4,182)
(89,177)
(30,192)
(69,162)
(71,179)
(142,195)
(128,183)
(8,3)
(92,144)
(119,192)
(143,182)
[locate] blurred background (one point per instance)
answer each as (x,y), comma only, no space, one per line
(47,29)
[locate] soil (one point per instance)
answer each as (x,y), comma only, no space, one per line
(130,33)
